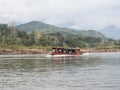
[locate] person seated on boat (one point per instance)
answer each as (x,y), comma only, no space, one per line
(76,52)
(60,51)
(70,52)
(56,51)
(63,51)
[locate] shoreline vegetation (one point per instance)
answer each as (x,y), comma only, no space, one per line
(47,50)
(15,41)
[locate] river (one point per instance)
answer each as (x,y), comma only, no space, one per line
(91,71)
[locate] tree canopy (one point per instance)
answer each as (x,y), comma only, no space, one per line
(8,36)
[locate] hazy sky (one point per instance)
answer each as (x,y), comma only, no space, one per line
(78,14)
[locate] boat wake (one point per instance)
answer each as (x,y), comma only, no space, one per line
(85,54)
(64,55)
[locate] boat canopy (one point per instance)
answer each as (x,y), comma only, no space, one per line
(66,51)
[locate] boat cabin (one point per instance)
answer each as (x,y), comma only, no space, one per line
(68,51)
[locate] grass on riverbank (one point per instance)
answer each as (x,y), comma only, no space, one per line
(15,47)
(4,49)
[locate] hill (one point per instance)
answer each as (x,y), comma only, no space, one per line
(47,28)
(111,31)
(59,37)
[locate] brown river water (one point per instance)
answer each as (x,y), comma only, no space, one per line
(91,71)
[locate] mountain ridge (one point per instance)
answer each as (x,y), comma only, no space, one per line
(111,31)
(47,28)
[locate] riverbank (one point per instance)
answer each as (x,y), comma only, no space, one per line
(42,51)
(23,51)
(100,50)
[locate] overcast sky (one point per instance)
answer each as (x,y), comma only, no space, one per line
(78,14)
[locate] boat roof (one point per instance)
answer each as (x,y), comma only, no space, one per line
(66,48)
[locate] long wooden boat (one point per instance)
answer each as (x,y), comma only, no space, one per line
(66,51)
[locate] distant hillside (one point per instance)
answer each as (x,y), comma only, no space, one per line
(111,31)
(46,28)
(29,27)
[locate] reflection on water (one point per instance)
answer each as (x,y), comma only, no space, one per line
(37,72)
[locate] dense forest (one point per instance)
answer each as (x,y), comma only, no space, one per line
(11,36)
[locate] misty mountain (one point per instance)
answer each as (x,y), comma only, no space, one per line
(47,28)
(111,31)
